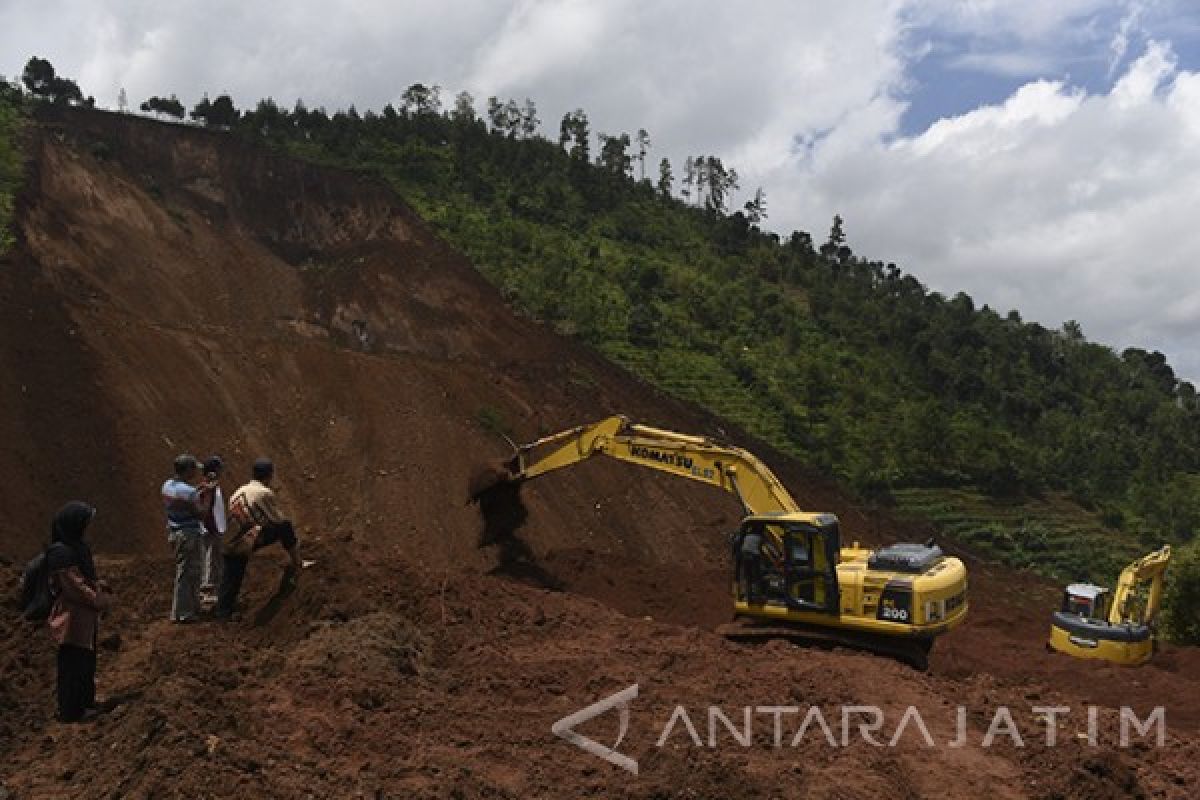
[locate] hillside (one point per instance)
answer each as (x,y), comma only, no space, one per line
(849,364)
(174,288)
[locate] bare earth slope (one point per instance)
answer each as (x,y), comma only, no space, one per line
(175,289)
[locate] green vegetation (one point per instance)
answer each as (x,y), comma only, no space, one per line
(42,82)
(1051,535)
(1181,606)
(849,364)
(12,118)
(492,420)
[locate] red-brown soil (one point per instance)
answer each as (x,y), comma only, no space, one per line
(174,289)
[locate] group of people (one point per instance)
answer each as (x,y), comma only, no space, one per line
(212,542)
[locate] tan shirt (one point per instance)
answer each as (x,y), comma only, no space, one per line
(251,507)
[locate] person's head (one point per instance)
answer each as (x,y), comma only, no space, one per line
(187,468)
(263,470)
(71,521)
(213,467)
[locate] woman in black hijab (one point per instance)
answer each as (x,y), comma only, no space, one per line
(75,617)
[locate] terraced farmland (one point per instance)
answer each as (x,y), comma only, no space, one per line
(1052,535)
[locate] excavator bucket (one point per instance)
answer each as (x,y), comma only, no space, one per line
(498,495)
(486,477)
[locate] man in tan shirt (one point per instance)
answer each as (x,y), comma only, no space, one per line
(255,521)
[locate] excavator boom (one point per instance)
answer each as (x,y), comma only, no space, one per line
(1150,568)
(694,457)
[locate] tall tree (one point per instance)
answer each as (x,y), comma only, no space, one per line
(689,179)
(223,113)
(172,107)
(835,245)
(720,182)
(756,208)
(41,80)
(703,190)
(201,110)
(419,99)
(614,157)
(464,107)
(529,119)
(219,113)
(665,177)
(159,105)
(643,145)
(496,114)
(575,135)
(505,117)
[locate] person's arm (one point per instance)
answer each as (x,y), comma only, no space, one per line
(269,507)
(202,498)
(74,587)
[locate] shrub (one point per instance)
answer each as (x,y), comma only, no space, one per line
(1181,606)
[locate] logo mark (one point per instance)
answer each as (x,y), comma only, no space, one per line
(565,728)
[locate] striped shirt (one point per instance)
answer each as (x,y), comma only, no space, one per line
(184,506)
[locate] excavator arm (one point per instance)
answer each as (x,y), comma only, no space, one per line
(695,457)
(1127,605)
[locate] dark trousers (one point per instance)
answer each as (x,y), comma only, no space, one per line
(234,566)
(76,681)
(233,571)
(750,578)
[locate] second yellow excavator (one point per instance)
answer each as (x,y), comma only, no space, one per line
(1116,627)
(794,578)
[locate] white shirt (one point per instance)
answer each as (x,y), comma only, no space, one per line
(218,512)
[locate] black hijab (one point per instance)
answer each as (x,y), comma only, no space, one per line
(67,529)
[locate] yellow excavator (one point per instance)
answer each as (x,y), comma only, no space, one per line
(1114,626)
(794,579)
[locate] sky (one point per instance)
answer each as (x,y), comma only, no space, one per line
(1043,157)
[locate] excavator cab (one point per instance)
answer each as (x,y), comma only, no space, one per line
(798,562)
(1086,600)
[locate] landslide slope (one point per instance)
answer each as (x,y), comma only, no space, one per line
(176,289)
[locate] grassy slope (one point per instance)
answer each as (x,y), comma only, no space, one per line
(11,120)
(1052,536)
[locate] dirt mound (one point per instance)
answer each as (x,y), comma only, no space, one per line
(178,289)
(380,643)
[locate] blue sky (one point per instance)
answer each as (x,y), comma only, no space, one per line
(952,70)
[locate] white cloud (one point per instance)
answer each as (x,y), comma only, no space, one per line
(1058,203)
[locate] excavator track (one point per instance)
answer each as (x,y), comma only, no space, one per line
(911,651)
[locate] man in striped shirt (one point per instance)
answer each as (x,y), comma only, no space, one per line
(255,522)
